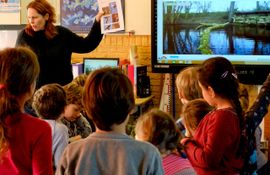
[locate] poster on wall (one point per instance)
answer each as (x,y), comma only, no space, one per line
(9,11)
(79,15)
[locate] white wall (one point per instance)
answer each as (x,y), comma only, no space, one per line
(138,16)
(8,38)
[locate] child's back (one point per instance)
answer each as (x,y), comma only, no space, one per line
(25,141)
(217,145)
(110,153)
(108,100)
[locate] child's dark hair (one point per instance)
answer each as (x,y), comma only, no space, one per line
(219,73)
(108,97)
(49,101)
(159,128)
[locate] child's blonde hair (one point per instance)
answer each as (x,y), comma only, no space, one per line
(187,83)
(80,79)
(74,94)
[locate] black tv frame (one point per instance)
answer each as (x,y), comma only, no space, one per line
(247,74)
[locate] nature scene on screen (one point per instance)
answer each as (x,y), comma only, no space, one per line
(240,27)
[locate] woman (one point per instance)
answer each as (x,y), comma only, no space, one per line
(55,44)
(25,141)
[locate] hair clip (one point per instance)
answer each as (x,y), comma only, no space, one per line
(234,75)
(224,75)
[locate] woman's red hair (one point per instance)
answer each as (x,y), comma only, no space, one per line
(43,8)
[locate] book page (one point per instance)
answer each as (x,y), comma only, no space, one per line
(112,20)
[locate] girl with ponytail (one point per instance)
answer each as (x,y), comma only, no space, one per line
(25,141)
(218,143)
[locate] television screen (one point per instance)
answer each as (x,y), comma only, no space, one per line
(91,64)
(188,32)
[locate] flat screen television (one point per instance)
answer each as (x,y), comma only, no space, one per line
(90,64)
(187,32)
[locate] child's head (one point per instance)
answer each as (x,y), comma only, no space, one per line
(219,74)
(193,113)
(108,97)
(19,69)
(74,101)
(80,79)
(158,128)
(187,85)
(49,101)
(218,79)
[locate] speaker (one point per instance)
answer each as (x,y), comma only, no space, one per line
(143,86)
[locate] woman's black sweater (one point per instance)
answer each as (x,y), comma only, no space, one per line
(54,55)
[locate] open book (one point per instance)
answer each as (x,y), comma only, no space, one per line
(112,20)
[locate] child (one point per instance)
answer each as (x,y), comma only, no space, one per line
(158,128)
(188,89)
(25,141)
(260,156)
(80,81)
(109,99)
(49,102)
(78,126)
(193,113)
(216,145)
(254,117)
(187,84)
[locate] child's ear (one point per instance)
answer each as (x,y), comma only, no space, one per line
(211,91)
(181,95)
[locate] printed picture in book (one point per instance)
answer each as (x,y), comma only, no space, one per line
(79,15)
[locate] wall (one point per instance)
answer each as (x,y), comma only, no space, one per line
(138,16)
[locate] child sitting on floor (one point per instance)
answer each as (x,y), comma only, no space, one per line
(77,124)
(49,102)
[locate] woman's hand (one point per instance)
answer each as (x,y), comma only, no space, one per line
(99,15)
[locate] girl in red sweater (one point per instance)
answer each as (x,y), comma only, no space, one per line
(215,148)
(25,141)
